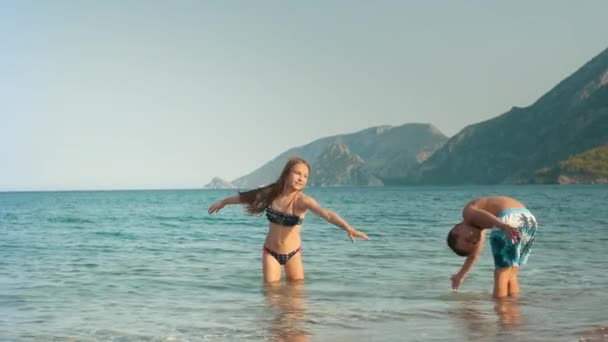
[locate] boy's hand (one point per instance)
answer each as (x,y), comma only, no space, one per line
(456,281)
(512,233)
(352,234)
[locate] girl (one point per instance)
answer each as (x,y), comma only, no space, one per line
(285,207)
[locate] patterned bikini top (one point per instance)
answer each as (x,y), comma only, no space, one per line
(284,219)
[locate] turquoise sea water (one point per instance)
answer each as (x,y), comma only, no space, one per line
(153,266)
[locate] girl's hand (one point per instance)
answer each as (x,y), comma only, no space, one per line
(456,281)
(215,207)
(353,234)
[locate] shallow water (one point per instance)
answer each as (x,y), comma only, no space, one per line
(153,266)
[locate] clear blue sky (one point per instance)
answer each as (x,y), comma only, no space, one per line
(168,94)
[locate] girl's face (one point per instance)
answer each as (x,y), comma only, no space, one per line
(298,176)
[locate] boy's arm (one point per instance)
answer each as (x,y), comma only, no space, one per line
(458,278)
(478,217)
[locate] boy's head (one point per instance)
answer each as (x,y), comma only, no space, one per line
(463,238)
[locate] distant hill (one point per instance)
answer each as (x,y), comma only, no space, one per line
(218,183)
(388,153)
(589,167)
(569,119)
(338,166)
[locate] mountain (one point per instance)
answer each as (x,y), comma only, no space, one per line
(218,183)
(589,167)
(388,153)
(339,166)
(569,119)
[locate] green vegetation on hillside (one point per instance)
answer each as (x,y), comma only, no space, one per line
(592,162)
(587,167)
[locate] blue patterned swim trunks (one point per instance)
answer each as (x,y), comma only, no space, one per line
(505,252)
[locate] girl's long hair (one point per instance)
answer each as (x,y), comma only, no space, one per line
(257,200)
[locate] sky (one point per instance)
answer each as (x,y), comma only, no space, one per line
(168,94)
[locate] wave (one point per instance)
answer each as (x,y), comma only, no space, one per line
(70,219)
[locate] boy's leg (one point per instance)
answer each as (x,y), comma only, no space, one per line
(501,281)
(513,282)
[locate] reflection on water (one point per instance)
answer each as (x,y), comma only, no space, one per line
(287,305)
(509,312)
(594,335)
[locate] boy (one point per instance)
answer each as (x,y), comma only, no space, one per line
(511,239)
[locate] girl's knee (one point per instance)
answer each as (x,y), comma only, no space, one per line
(271,280)
(296,279)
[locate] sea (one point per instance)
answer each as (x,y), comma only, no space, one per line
(153,265)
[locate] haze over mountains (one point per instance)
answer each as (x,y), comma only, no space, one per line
(374,156)
(570,119)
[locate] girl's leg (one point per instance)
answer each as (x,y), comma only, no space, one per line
(501,282)
(271,268)
(513,282)
(294,269)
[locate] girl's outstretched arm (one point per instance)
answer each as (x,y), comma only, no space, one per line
(217,206)
(333,218)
